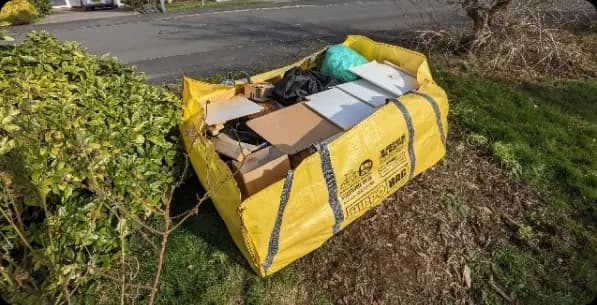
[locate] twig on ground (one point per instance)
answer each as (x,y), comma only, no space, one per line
(498,290)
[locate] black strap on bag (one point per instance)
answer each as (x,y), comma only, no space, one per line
(274,241)
(332,186)
(436,112)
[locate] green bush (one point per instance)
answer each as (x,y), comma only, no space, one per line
(18,12)
(43,6)
(87,149)
(3,35)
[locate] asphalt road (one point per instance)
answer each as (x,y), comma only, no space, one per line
(250,38)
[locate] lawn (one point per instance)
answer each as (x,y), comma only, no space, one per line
(194,4)
(543,135)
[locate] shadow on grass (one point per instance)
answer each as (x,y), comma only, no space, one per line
(203,266)
(207,225)
(573,97)
(570,114)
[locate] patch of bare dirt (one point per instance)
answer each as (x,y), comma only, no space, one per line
(420,244)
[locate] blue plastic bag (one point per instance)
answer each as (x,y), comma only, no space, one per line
(338,60)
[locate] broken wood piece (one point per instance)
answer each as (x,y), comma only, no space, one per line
(215,130)
(466,276)
(366,92)
(259,92)
(231,148)
(398,68)
(268,107)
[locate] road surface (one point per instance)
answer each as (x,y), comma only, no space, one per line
(252,38)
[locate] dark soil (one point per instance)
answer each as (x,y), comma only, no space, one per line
(415,247)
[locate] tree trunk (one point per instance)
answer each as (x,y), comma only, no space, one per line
(483,19)
(499,6)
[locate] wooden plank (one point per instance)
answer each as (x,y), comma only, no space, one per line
(231,148)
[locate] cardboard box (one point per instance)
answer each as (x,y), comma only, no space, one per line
(293,129)
(261,169)
(259,92)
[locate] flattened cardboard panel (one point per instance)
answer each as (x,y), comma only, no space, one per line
(294,128)
(387,77)
(366,92)
(339,107)
(236,107)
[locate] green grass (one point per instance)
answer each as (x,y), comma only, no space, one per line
(550,128)
(545,134)
(193,4)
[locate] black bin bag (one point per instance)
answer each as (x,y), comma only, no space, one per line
(298,83)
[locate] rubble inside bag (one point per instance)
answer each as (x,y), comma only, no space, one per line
(273,126)
(382,131)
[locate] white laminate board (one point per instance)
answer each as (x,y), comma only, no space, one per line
(236,107)
(341,108)
(387,77)
(366,92)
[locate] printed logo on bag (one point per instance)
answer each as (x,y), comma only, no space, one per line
(393,157)
(368,200)
(391,149)
(360,191)
(356,181)
(365,167)
(397,178)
